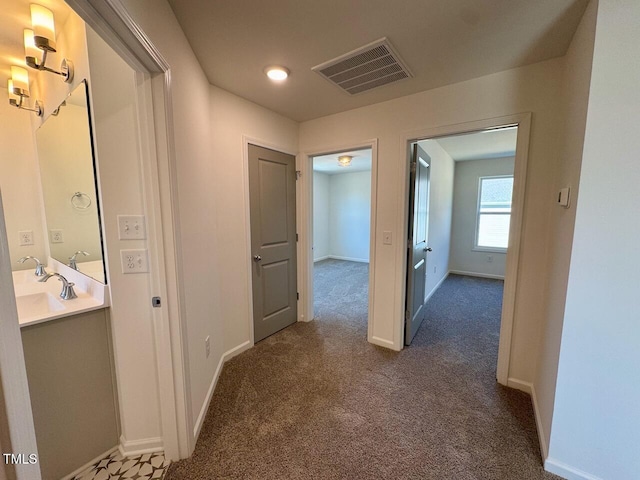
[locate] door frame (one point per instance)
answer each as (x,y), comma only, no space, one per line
(246,140)
(111,21)
(305,212)
(523,121)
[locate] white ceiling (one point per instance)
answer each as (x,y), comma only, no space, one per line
(441,41)
(361,162)
(481,145)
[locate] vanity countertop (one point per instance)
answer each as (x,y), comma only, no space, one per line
(40,301)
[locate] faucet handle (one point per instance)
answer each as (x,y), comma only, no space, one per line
(67,292)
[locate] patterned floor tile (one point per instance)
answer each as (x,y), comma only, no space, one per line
(115,467)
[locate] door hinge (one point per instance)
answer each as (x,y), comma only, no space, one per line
(297,295)
(298,174)
(413,167)
(409,243)
(407,314)
(296,237)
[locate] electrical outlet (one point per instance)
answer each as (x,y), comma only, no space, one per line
(26,237)
(131,227)
(489,258)
(207,346)
(134,261)
(56,236)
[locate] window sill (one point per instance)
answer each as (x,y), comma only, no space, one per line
(489,249)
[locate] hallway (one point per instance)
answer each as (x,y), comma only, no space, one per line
(317,401)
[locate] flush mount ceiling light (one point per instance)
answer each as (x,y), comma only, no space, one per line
(345,160)
(18,90)
(43,39)
(277,73)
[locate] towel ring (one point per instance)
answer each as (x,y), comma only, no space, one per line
(80,200)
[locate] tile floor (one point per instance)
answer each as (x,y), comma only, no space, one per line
(151,466)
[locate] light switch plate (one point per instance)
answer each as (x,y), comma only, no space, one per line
(386,237)
(134,261)
(131,227)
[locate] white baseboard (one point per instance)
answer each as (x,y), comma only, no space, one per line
(566,471)
(237,350)
(529,388)
(433,290)
(319,259)
(477,274)
(349,259)
(520,385)
(139,447)
(381,342)
(228,355)
(78,471)
(542,438)
(205,406)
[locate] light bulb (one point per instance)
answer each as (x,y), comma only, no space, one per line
(20,80)
(277,73)
(31,51)
(44,31)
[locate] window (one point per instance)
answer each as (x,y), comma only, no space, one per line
(494,213)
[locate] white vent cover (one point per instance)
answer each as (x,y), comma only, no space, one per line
(365,68)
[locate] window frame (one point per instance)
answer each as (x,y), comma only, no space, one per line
(480,248)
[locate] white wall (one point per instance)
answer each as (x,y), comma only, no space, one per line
(576,82)
(350,216)
(342,216)
(465,207)
(440,214)
(534,88)
(320,215)
(232,118)
(595,420)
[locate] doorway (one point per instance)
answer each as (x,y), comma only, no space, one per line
(341,224)
(474,209)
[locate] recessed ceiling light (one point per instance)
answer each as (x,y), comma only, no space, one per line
(277,73)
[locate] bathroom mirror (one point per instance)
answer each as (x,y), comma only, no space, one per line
(69,187)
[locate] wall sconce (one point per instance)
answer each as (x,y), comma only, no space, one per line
(18,90)
(345,160)
(43,39)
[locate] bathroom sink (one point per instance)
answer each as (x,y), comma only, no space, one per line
(37,305)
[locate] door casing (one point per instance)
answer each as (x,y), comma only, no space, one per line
(305,229)
(523,121)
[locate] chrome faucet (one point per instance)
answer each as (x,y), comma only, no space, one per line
(72,259)
(40,271)
(67,292)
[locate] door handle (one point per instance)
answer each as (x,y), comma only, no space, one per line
(257,258)
(428,249)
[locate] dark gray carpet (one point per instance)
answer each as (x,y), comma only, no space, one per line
(317,401)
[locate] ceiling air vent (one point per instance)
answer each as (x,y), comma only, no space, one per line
(365,68)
